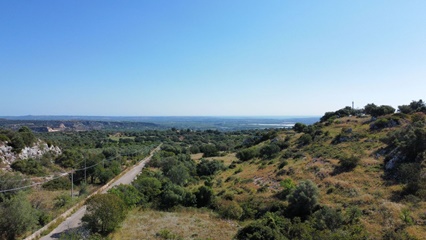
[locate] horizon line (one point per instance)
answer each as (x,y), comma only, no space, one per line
(141,116)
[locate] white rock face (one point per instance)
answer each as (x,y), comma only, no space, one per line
(6,154)
(37,151)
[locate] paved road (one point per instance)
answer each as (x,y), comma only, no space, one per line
(74,221)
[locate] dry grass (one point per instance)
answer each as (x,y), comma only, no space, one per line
(363,187)
(188,224)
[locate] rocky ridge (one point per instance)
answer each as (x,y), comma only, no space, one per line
(7,156)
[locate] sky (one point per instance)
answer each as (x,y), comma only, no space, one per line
(209,58)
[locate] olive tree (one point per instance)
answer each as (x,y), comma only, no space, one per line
(104,212)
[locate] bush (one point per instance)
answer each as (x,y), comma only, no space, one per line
(269,151)
(204,196)
(174,195)
(303,200)
(376,111)
(28,166)
(208,168)
(349,163)
(305,139)
(62,200)
(327,218)
(104,212)
(288,186)
(128,194)
(166,234)
(418,117)
(230,209)
(178,174)
(209,150)
(247,154)
(62,183)
(17,217)
(150,187)
(269,227)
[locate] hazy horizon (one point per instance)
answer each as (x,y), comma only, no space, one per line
(209,58)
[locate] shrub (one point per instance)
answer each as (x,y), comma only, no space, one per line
(209,150)
(418,117)
(204,196)
(282,163)
(327,218)
(17,217)
(166,234)
(128,194)
(288,186)
(305,139)
(62,200)
(150,187)
(104,212)
(349,163)
(62,183)
(247,154)
(303,200)
(178,174)
(28,166)
(269,151)
(208,168)
(230,209)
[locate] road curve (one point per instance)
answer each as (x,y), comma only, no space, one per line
(74,221)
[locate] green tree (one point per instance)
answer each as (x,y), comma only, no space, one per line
(104,212)
(209,167)
(300,127)
(69,158)
(204,196)
(178,174)
(303,200)
(327,218)
(128,193)
(376,111)
(247,154)
(150,187)
(27,136)
(269,151)
(17,216)
(305,139)
(209,150)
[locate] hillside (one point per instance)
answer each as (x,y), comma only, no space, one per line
(353,175)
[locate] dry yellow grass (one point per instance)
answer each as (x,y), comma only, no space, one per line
(188,224)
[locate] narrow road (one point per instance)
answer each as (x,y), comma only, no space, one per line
(74,221)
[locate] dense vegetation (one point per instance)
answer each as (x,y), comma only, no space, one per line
(356,174)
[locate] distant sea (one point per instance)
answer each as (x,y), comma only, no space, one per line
(225,123)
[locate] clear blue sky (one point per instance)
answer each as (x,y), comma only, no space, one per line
(205,57)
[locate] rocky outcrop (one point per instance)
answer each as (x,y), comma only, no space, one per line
(394,158)
(7,156)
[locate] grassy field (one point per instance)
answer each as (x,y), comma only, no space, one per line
(182,224)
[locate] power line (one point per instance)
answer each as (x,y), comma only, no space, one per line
(61,175)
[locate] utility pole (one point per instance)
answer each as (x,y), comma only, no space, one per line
(72,183)
(85,181)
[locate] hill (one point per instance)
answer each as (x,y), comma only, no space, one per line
(353,175)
